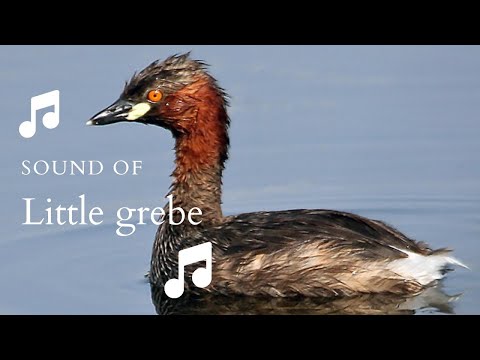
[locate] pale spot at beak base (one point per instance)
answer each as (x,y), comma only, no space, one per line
(138,111)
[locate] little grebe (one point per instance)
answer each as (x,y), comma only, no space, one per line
(282,253)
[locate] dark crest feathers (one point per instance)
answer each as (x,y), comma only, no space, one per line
(174,72)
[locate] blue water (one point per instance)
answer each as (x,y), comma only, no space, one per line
(388,132)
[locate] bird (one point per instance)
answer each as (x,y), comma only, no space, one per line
(282,254)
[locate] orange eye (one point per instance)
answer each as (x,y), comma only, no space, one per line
(155,95)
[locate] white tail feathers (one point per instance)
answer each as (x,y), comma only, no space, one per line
(453,261)
(424,269)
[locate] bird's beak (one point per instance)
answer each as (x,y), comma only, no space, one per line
(121,110)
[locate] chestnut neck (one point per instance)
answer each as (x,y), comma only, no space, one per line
(201,149)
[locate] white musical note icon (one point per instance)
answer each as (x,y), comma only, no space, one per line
(50,120)
(201,277)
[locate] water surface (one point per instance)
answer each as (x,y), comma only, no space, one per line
(388,132)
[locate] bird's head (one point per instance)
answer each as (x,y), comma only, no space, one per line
(169,94)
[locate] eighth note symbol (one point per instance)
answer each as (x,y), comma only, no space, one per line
(201,277)
(50,120)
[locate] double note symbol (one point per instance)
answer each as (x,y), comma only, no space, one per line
(201,277)
(50,120)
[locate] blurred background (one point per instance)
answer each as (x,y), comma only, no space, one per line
(388,132)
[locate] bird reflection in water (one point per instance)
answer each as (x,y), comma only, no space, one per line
(434,299)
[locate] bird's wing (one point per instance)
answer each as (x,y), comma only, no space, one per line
(265,232)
